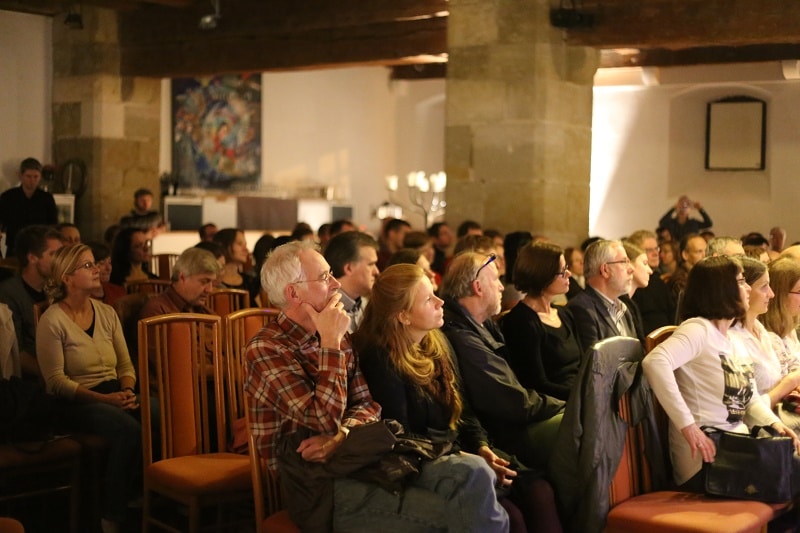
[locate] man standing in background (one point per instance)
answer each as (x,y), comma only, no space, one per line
(26,204)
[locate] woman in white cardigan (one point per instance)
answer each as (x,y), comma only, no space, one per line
(702,375)
(84,360)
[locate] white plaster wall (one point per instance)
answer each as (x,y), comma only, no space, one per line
(648,148)
(344,127)
(25,102)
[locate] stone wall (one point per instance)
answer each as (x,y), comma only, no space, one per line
(519,114)
(108,121)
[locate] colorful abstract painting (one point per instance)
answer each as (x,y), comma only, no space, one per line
(216,125)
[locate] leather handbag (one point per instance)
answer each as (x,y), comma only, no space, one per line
(750,467)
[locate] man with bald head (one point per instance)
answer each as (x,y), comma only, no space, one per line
(598,311)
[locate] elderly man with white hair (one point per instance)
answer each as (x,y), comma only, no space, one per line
(598,311)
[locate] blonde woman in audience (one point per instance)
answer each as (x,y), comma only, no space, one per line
(783,314)
(85,361)
(641,279)
(776,374)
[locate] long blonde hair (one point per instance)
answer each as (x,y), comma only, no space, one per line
(784,273)
(427,365)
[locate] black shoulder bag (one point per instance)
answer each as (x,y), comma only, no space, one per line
(750,467)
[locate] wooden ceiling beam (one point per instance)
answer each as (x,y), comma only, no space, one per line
(699,56)
(215,52)
(671,24)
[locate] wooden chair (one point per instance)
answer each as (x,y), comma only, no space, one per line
(635,507)
(240,327)
(224,301)
(271,517)
(38,310)
(188,471)
(149,286)
(53,469)
(161,265)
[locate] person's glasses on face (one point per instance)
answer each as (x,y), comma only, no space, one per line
(325,277)
(88,265)
(563,273)
(625,261)
(491,258)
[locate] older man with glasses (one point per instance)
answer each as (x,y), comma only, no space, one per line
(598,311)
(519,420)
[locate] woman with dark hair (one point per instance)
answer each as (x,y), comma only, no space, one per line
(668,257)
(411,256)
(84,360)
(108,292)
(641,279)
(776,373)
(512,243)
(409,367)
(233,275)
(702,375)
(543,349)
(130,257)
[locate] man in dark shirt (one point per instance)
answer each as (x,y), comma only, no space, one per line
(35,248)
(27,204)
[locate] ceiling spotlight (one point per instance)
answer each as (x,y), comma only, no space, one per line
(209,22)
(73,20)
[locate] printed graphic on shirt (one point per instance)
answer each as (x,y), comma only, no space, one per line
(738,386)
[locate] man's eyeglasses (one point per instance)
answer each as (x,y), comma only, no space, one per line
(491,259)
(88,265)
(625,261)
(325,277)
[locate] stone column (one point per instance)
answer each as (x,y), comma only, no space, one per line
(109,121)
(519,116)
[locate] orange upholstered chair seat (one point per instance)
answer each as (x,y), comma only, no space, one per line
(279,523)
(668,511)
(202,474)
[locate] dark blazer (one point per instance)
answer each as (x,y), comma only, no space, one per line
(592,319)
(574,289)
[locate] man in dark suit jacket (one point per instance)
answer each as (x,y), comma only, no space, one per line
(598,311)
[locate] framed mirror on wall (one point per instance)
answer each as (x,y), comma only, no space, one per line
(736,134)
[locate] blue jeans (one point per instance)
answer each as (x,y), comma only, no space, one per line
(124,435)
(453,493)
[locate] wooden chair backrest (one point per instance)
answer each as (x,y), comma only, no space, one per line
(180,370)
(239,327)
(657,336)
(224,301)
(653,339)
(161,265)
(149,286)
(39,309)
(266,488)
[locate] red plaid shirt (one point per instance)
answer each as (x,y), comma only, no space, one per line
(292,382)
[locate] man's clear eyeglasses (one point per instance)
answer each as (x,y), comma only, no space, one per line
(491,259)
(88,265)
(620,262)
(325,277)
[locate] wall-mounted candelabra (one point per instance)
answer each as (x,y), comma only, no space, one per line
(425,193)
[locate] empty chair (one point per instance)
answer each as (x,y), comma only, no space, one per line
(188,386)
